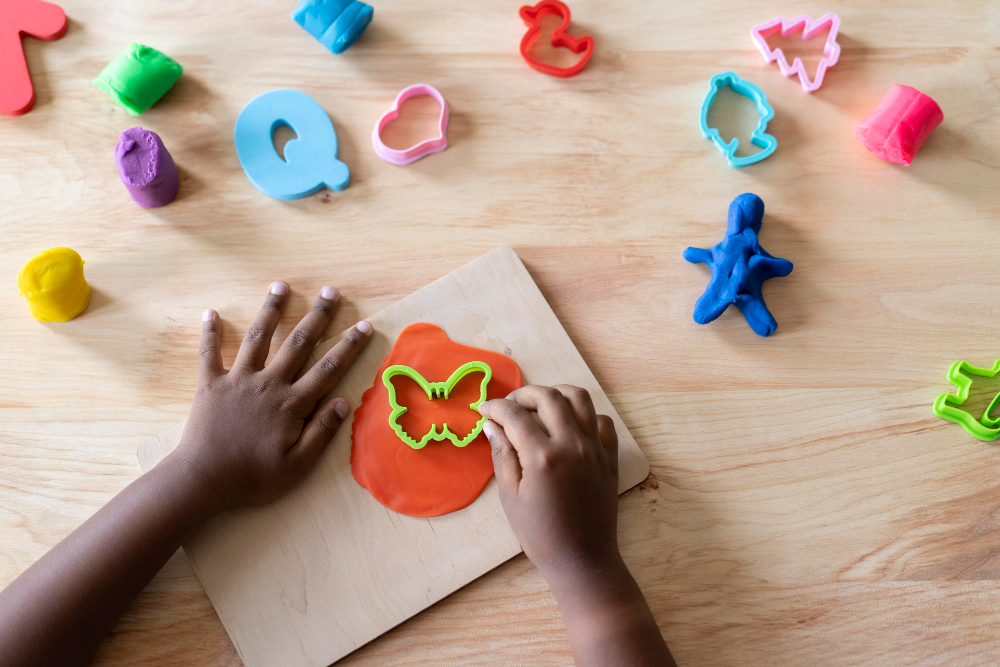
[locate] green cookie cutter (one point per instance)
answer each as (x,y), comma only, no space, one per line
(946,405)
(138,77)
(436,390)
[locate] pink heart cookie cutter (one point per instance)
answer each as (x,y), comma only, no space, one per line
(424,148)
(809,28)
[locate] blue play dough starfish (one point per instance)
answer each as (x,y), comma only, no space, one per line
(739,268)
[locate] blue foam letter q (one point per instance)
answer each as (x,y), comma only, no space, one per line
(310,162)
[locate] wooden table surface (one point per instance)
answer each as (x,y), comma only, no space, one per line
(805,505)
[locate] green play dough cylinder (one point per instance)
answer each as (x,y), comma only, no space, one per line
(139,77)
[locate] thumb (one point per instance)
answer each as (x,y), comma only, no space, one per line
(506,465)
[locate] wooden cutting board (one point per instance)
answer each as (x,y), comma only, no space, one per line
(326,569)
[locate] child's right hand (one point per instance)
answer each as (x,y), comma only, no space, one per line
(556,462)
(558,475)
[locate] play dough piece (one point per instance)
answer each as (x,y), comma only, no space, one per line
(52,281)
(440,477)
(35,18)
(900,124)
(337,24)
(310,162)
(146,168)
(739,268)
(139,77)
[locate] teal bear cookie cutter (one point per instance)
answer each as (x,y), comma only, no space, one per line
(947,405)
(758,137)
(436,390)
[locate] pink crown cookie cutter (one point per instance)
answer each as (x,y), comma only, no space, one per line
(809,28)
(424,148)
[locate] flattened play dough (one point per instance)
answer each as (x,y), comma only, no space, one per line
(440,477)
(52,281)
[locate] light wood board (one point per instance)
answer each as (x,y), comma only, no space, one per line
(309,579)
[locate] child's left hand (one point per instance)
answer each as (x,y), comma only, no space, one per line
(255,431)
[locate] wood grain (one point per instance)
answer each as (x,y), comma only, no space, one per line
(326,569)
(805,506)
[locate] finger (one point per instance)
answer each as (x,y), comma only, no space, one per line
(582,406)
(609,438)
(326,373)
(210,351)
(553,410)
(318,433)
(506,465)
(518,424)
(295,351)
(257,341)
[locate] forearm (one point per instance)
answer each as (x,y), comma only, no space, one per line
(606,616)
(58,611)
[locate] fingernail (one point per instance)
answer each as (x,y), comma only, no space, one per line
(342,409)
(488,430)
(208,315)
(279,288)
(364,326)
(329,294)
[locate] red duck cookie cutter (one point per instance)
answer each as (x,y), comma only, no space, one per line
(532,17)
(41,20)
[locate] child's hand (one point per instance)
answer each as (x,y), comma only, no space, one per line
(255,432)
(558,475)
(556,462)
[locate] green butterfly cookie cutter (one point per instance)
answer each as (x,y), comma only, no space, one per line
(436,390)
(947,405)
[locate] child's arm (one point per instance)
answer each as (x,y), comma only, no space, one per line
(556,464)
(253,433)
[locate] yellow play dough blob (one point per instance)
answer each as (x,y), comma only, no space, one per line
(52,282)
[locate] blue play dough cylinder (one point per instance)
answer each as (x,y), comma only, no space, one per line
(739,268)
(337,24)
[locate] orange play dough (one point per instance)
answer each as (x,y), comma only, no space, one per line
(441,477)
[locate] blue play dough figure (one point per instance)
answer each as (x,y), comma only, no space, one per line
(739,268)
(337,24)
(310,162)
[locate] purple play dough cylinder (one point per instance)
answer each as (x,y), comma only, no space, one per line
(146,168)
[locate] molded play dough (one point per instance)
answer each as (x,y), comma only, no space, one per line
(337,24)
(900,124)
(41,20)
(310,162)
(440,477)
(146,168)
(139,77)
(52,281)
(739,268)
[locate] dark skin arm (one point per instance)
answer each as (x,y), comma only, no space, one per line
(253,434)
(556,464)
